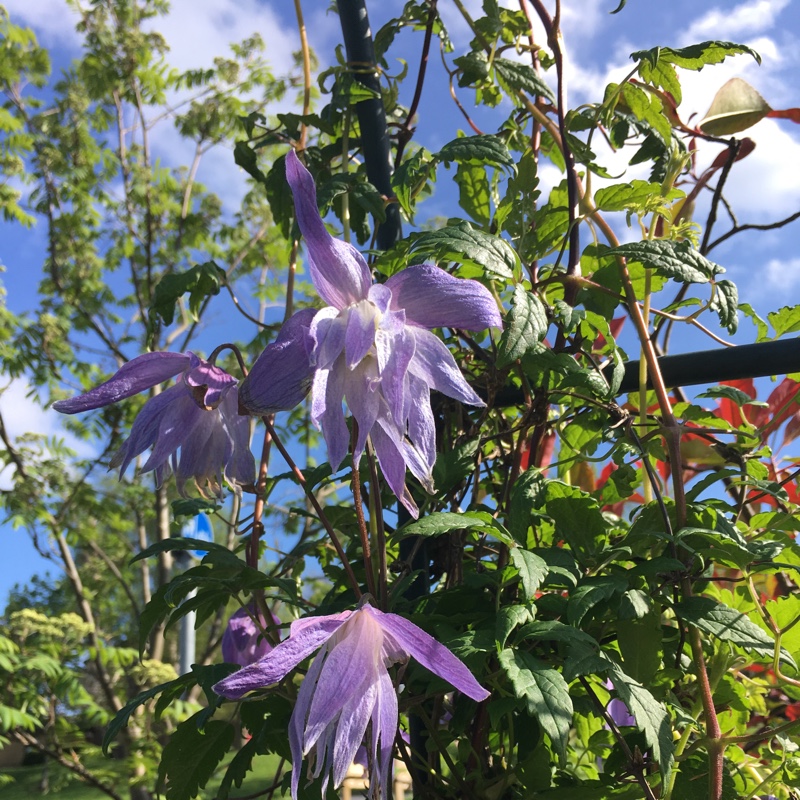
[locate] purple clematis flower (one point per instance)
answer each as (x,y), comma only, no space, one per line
(371,346)
(243,641)
(347,687)
(198,416)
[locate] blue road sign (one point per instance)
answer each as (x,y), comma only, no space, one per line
(198,528)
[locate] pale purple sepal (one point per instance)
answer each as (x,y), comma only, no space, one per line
(618,711)
(347,687)
(140,373)
(282,375)
(192,429)
(338,271)
(371,348)
(243,641)
(433,298)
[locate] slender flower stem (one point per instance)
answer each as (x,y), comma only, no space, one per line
(362,524)
(304,49)
(376,513)
(317,507)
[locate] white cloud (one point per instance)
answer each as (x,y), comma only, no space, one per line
(744,20)
(22,415)
(783,274)
(52,20)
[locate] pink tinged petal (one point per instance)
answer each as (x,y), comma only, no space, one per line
(327,332)
(142,372)
(392,463)
(208,383)
(350,731)
(384,730)
(434,363)
(338,271)
(349,668)
(432,298)
(360,334)
(425,649)
(297,723)
(282,375)
(326,411)
(276,665)
(363,400)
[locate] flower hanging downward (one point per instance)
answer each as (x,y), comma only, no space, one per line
(371,346)
(347,687)
(198,416)
(243,641)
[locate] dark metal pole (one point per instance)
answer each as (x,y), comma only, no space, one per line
(375,142)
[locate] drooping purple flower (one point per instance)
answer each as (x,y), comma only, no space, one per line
(243,641)
(617,709)
(372,347)
(347,687)
(194,428)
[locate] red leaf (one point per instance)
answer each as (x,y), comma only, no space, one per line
(787,113)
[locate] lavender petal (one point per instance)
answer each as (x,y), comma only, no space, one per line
(284,658)
(338,271)
(432,298)
(425,649)
(434,363)
(282,375)
(142,372)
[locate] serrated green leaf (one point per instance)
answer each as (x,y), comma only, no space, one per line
(526,494)
(731,393)
(526,326)
(454,464)
(508,618)
(545,692)
(191,756)
(532,570)
(591,592)
(279,196)
(726,304)
(639,196)
(439,523)
(463,244)
(474,193)
(676,260)
(514,76)
(201,281)
(650,715)
(785,320)
(695,56)
(411,179)
(482,149)
(726,624)
(178,543)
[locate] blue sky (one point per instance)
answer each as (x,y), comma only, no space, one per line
(764,187)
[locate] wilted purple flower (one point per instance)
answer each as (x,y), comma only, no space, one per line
(371,346)
(243,641)
(617,709)
(198,416)
(347,687)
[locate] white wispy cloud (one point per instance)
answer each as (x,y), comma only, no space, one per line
(742,20)
(52,20)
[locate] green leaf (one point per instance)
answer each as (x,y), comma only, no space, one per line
(545,692)
(474,193)
(411,178)
(785,320)
(651,717)
(439,523)
(515,77)
(279,196)
(731,393)
(727,624)
(578,519)
(726,303)
(508,618)
(532,570)
(482,149)
(639,196)
(463,244)
(591,592)
(191,756)
(526,494)
(188,507)
(179,543)
(454,465)
(201,281)
(676,260)
(695,56)
(640,644)
(526,326)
